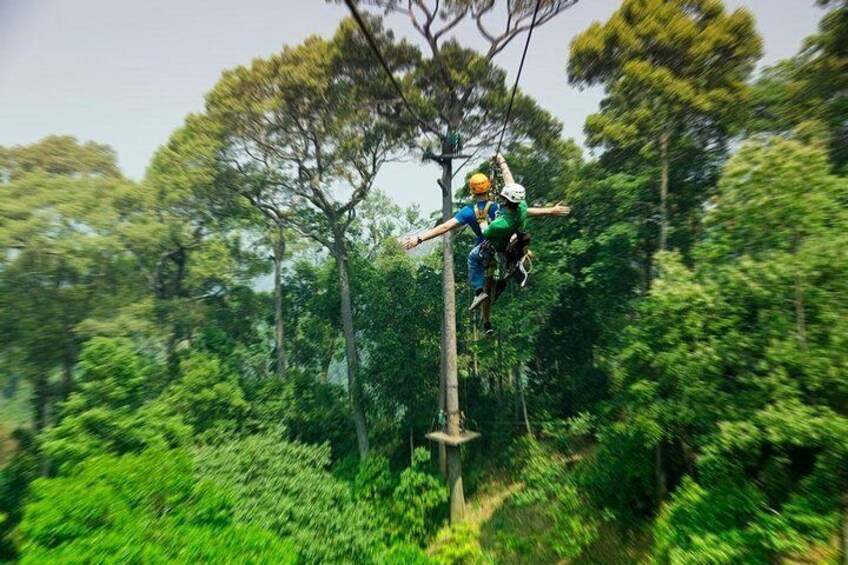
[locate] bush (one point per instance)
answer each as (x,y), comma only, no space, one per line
(284,487)
(145,508)
(416,501)
(459,546)
(550,487)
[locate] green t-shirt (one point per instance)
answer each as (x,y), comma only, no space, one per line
(507,223)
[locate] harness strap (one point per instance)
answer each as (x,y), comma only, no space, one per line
(483,215)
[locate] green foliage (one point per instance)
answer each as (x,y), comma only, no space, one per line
(207,398)
(108,414)
(374,481)
(409,507)
(734,373)
(310,411)
(404,554)
(812,86)
(61,265)
(139,509)
(551,488)
(15,404)
(703,390)
(62,155)
(459,545)
(734,524)
(284,487)
(417,501)
(786,194)
(663,62)
(311,315)
(674,74)
(400,318)
(15,478)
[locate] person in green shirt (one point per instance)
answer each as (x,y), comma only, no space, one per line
(482,215)
(509,226)
(507,234)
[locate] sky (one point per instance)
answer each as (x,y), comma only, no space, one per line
(126,73)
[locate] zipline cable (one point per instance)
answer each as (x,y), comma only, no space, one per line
(518,76)
(373,44)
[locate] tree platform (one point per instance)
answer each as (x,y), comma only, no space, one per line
(443,437)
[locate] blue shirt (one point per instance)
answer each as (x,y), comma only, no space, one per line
(468,217)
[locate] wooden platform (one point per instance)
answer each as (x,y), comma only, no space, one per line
(463,437)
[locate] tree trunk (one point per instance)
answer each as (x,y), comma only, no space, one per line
(524,404)
(664,190)
(449,364)
(475,340)
(443,454)
(328,359)
(67,374)
(43,399)
(516,396)
(648,266)
(340,254)
(279,332)
(180,259)
(457,496)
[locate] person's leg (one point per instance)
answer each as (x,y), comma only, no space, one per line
(476,269)
(477,275)
(486,307)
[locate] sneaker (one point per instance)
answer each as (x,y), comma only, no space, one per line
(488,329)
(522,275)
(478,300)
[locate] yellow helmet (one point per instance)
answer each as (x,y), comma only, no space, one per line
(479,183)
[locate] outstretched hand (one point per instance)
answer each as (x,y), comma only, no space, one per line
(409,243)
(559,210)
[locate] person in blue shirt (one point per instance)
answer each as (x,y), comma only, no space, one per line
(478,215)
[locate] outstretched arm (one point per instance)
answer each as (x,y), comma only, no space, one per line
(441,229)
(556,210)
(501,163)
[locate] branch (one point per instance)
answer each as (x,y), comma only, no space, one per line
(513,29)
(305,232)
(450,25)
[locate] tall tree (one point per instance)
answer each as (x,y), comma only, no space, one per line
(400,318)
(744,380)
(187,241)
(674,72)
(60,265)
(315,118)
(62,155)
(459,91)
(812,86)
(250,186)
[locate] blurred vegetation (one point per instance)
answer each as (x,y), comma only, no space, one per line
(672,386)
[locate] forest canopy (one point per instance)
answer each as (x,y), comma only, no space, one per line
(240,356)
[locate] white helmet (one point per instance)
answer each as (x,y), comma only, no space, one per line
(514,192)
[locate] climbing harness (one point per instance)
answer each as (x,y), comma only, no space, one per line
(482,215)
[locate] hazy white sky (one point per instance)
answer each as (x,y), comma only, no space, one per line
(127,72)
